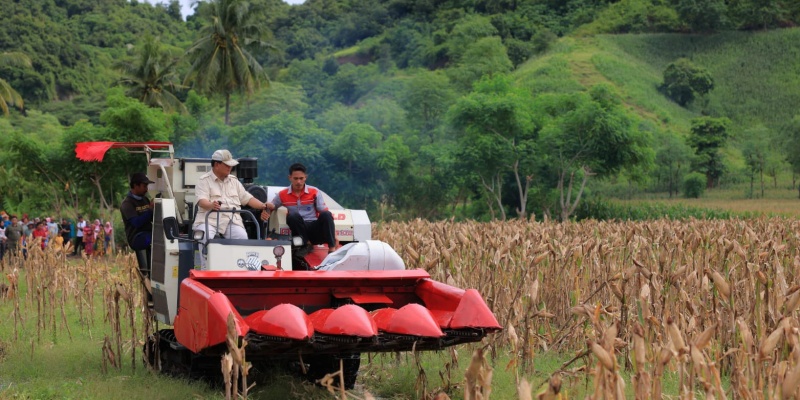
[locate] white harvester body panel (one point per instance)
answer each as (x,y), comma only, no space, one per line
(166,285)
(247,255)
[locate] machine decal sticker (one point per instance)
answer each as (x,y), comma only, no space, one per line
(252,263)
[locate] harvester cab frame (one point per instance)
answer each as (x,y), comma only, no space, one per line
(358,299)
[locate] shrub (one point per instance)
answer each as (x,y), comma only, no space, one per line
(633,16)
(607,210)
(518,50)
(684,81)
(694,184)
(542,40)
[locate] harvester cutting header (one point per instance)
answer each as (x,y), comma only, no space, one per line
(289,301)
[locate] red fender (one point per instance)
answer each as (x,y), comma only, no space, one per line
(202,319)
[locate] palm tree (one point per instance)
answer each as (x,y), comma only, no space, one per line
(9,96)
(152,78)
(220,60)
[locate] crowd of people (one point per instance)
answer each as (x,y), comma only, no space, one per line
(16,234)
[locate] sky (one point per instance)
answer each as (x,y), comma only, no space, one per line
(187,9)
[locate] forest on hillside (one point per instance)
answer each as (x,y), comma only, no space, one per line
(477,109)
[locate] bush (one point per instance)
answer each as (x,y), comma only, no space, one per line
(633,16)
(607,210)
(543,40)
(684,81)
(518,50)
(694,184)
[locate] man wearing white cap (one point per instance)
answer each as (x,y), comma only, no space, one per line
(219,190)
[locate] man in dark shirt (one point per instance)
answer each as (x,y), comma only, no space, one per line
(14,234)
(64,230)
(137,214)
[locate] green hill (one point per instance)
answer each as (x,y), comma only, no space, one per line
(756,74)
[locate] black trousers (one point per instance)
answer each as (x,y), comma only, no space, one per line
(316,232)
(78,245)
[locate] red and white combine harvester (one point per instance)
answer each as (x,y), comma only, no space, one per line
(287,305)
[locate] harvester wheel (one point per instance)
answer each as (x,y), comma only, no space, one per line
(328,364)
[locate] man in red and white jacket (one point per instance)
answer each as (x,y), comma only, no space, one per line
(308,215)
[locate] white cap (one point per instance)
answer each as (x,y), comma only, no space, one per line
(224,156)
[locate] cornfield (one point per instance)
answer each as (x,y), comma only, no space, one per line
(711,302)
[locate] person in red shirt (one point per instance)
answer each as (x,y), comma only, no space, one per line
(308,216)
(41,232)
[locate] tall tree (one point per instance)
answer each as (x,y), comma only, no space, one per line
(9,96)
(221,61)
(702,15)
(152,77)
(755,156)
(587,135)
(790,131)
(708,136)
(761,14)
(498,136)
(487,56)
(426,99)
(673,159)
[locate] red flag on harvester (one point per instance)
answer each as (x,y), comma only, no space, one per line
(92,151)
(95,151)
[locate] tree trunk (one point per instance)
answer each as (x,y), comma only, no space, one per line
(103,202)
(567,205)
(227,108)
(495,194)
(457,200)
(523,191)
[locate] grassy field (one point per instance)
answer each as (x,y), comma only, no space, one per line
(644,309)
(779,202)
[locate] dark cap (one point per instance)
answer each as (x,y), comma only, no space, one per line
(140,177)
